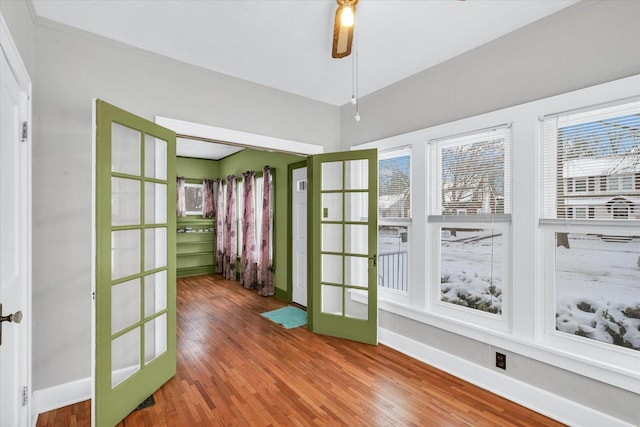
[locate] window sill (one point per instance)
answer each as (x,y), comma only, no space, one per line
(627,379)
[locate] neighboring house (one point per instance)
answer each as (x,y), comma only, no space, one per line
(602,187)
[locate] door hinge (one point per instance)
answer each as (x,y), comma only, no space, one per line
(25,395)
(93,295)
(25,131)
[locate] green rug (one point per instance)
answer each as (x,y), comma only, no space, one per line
(289,317)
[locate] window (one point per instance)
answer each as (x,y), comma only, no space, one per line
(193,195)
(258,190)
(394,216)
(470,216)
(595,283)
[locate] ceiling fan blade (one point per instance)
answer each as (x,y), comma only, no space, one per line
(342,34)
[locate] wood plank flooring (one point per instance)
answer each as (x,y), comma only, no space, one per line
(236,368)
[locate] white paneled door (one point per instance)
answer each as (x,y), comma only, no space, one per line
(15,235)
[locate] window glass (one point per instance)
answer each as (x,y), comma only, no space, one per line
(471,268)
(597,287)
(578,147)
(596,269)
(393,257)
(394,187)
(193,195)
(394,214)
(472,177)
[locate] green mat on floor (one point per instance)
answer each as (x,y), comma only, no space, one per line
(289,317)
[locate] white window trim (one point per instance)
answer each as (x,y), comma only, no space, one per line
(526,334)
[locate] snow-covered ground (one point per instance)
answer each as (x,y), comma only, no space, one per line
(471,273)
(598,289)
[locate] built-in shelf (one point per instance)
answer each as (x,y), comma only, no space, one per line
(195,246)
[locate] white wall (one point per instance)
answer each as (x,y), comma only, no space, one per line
(69,68)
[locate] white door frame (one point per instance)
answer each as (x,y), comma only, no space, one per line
(11,53)
(245,139)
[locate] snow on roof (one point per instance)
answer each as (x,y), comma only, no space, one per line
(601,166)
(389,200)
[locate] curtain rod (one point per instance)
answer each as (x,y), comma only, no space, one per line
(237,144)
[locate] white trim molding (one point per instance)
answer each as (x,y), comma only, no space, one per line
(50,398)
(238,137)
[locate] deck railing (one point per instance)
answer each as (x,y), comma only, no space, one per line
(393,268)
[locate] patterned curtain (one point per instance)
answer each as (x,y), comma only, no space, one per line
(230,230)
(265,265)
(181,205)
(207,199)
(219,226)
(248,261)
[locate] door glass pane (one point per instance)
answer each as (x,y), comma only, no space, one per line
(331,269)
(331,299)
(155,203)
(356,239)
(331,176)
(125,201)
(155,157)
(357,206)
(125,356)
(155,293)
(155,338)
(357,174)
(125,150)
(125,253)
(332,237)
(356,304)
(155,248)
(356,271)
(331,207)
(125,305)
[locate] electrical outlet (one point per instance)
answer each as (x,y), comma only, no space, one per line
(501,360)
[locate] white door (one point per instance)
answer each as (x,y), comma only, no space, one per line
(299,244)
(15,230)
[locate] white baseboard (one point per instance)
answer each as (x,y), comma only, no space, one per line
(48,399)
(536,399)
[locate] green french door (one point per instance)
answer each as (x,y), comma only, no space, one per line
(343,244)
(135,280)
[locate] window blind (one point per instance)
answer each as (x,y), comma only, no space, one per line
(591,163)
(471,173)
(394,188)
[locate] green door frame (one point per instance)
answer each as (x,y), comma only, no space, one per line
(342,326)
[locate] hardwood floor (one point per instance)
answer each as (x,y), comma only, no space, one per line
(235,368)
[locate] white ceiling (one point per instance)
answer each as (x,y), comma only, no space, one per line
(204,150)
(286,44)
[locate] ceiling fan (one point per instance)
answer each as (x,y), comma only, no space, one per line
(343,28)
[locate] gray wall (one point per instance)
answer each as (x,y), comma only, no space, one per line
(586,44)
(70,68)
